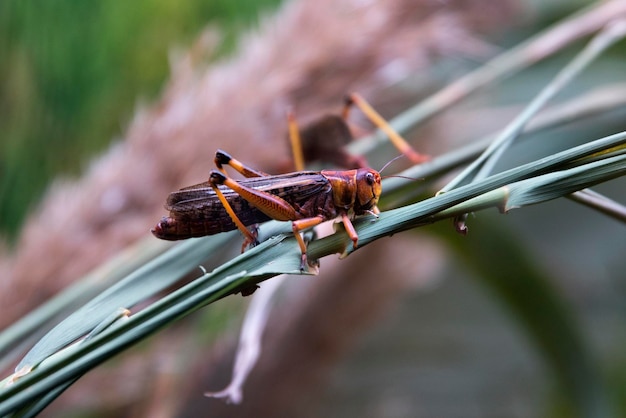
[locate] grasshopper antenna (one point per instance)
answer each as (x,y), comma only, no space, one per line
(389,162)
(400,177)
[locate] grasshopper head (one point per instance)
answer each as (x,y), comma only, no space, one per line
(368,189)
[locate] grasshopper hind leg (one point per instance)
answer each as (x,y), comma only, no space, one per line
(380,122)
(215,179)
(223,158)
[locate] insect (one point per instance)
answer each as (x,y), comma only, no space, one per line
(325,138)
(306,198)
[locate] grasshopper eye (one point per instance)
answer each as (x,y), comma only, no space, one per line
(369,178)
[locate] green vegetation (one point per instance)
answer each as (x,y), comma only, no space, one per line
(71,73)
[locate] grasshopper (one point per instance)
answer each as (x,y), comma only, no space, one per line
(306,198)
(324,139)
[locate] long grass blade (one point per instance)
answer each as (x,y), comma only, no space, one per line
(484,164)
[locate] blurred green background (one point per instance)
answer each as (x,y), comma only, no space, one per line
(71,73)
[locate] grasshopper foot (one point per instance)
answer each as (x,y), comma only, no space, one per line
(303,263)
(306,264)
(251,242)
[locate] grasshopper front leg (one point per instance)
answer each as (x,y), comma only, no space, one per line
(271,205)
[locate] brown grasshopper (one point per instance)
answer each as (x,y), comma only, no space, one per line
(306,198)
(324,139)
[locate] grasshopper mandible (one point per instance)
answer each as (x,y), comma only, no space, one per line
(306,198)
